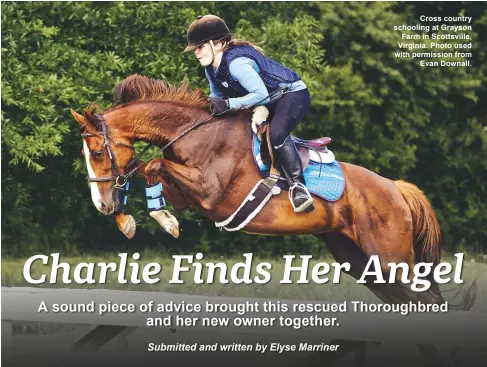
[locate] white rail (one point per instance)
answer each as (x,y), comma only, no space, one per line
(21,304)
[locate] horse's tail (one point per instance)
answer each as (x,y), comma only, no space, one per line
(426,229)
(427,236)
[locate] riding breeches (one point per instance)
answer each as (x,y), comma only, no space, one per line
(286,114)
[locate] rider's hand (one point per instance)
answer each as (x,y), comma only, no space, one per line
(258,117)
(219,106)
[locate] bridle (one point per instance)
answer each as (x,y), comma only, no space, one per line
(120,179)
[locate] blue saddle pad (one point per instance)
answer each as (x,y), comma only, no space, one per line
(327,184)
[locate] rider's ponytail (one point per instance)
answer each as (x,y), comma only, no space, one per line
(238,42)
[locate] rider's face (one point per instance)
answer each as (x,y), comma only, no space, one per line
(204,54)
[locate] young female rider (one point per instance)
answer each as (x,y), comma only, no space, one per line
(240,76)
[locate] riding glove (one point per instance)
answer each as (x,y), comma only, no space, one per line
(219,106)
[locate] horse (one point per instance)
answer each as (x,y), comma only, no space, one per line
(211,168)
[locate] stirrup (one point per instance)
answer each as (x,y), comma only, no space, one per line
(304,205)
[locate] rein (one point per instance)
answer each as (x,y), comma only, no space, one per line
(119,178)
(131,172)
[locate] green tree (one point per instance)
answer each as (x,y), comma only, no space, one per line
(425,125)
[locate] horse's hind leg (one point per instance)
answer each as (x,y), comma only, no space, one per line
(345,250)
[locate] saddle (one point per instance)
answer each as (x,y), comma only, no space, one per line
(306,149)
(328,184)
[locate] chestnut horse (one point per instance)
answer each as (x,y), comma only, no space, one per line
(212,169)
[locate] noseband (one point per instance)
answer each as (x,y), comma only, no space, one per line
(120,179)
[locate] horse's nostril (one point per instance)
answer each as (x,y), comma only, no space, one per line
(103,207)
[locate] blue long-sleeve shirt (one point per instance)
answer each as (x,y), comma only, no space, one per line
(246,71)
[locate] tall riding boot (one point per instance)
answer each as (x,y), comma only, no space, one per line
(289,163)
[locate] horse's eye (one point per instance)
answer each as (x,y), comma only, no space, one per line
(97,155)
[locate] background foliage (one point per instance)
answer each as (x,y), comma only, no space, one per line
(400,120)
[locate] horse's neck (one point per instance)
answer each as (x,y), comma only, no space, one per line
(153,122)
(160,123)
(215,139)
(207,160)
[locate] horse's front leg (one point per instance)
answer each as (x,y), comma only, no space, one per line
(199,186)
(126,224)
(172,193)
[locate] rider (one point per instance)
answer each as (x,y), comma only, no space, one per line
(240,76)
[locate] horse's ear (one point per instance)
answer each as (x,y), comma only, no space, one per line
(85,123)
(89,116)
(81,120)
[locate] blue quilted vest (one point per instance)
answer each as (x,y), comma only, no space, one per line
(271,72)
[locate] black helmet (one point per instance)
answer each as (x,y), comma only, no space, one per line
(206,28)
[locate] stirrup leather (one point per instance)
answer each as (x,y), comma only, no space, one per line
(304,205)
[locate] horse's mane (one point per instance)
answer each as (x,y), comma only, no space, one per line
(138,87)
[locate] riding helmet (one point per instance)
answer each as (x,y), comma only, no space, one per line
(206,28)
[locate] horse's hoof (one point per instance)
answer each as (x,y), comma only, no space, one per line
(126,225)
(167,221)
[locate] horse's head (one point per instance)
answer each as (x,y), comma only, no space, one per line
(106,158)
